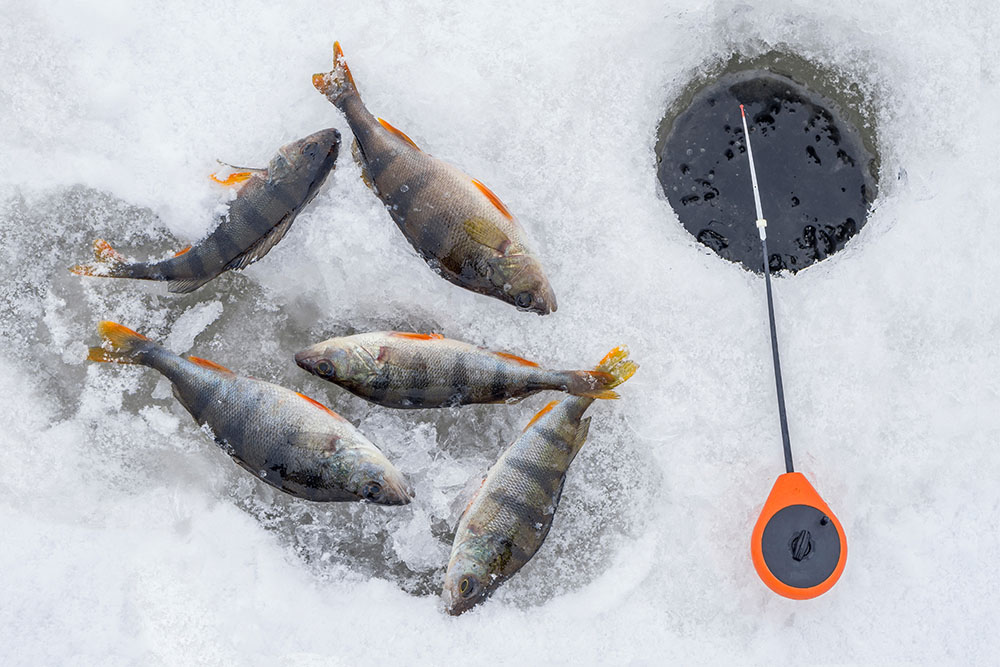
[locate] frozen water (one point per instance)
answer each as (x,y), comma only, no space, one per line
(129,537)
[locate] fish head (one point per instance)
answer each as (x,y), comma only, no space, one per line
(468,580)
(523,283)
(303,165)
(374,479)
(336,360)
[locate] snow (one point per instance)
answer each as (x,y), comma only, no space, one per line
(129,537)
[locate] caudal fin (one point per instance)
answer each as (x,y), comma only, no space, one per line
(110,263)
(614,369)
(338,82)
(119,345)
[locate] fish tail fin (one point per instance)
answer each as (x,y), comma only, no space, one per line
(337,83)
(109,263)
(614,369)
(120,345)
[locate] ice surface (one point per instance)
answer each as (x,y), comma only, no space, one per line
(128,537)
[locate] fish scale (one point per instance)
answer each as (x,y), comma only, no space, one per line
(405,370)
(285,438)
(454,222)
(509,518)
(258,218)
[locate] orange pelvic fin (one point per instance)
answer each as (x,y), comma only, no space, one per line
(182,251)
(486,233)
(233,179)
(211,365)
(399,133)
(493,199)
(516,359)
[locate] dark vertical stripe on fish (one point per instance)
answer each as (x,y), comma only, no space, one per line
(552,437)
(529,515)
(459,380)
(224,245)
(197,401)
(419,381)
(547,478)
(259,223)
(379,164)
(498,384)
(190,264)
(283,194)
(380,387)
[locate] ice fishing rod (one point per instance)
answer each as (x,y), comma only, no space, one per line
(798,545)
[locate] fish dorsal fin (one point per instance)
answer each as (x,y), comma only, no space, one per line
(541,413)
(261,246)
(416,336)
(182,251)
(516,359)
(485,233)
(359,158)
(320,406)
(399,133)
(210,365)
(493,199)
(239,175)
(233,179)
(185,286)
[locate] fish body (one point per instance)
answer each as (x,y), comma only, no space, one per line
(410,370)
(453,221)
(286,439)
(258,218)
(507,521)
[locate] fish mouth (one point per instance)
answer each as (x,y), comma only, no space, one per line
(542,305)
(305,359)
(455,604)
(545,307)
(400,493)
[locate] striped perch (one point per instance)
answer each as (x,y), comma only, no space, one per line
(507,521)
(460,228)
(259,217)
(285,438)
(410,370)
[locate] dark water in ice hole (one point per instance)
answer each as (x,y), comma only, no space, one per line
(816,176)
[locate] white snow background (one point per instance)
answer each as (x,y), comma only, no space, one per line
(129,537)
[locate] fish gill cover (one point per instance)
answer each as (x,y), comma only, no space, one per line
(129,537)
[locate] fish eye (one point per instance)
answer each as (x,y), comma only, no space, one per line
(468,587)
(310,148)
(371,491)
(324,368)
(523,300)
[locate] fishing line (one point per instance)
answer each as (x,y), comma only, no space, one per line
(798,546)
(762,229)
